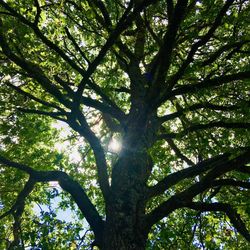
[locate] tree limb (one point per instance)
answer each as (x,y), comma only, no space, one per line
(220,124)
(231,182)
(34,71)
(67,184)
(178,152)
(182,198)
(226,208)
(34,98)
(214,82)
(55,115)
(44,39)
(194,49)
(205,105)
(84,130)
(189,172)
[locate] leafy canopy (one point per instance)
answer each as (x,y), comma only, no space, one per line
(169,80)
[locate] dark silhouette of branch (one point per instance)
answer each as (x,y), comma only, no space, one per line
(220,124)
(161,62)
(194,107)
(83,129)
(67,184)
(38,12)
(55,115)
(34,71)
(77,47)
(189,172)
(44,39)
(223,49)
(226,208)
(200,43)
(178,152)
(231,182)
(34,98)
(209,83)
(21,197)
(182,198)
(126,19)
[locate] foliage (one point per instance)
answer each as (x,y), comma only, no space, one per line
(169,80)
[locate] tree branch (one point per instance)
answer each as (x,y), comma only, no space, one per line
(189,172)
(197,45)
(178,152)
(55,115)
(205,105)
(77,47)
(214,82)
(231,182)
(182,198)
(84,130)
(44,39)
(220,124)
(161,62)
(21,197)
(226,208)
(34,71)
(67,184)
(32,97)
(126,19)
(223,49)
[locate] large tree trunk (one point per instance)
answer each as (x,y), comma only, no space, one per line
(119,236)
(124,227)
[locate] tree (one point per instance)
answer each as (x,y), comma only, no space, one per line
(169,80)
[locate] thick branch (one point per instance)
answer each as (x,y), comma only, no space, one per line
(162,60)
(231,182)
(21,197)
(220,124)
(226,208)
(189,172)
(84,130)
(214,82)
(205,105)
(126,19)
(70,186)
(199,43)
(45,40)
(34,71)
(182,198)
